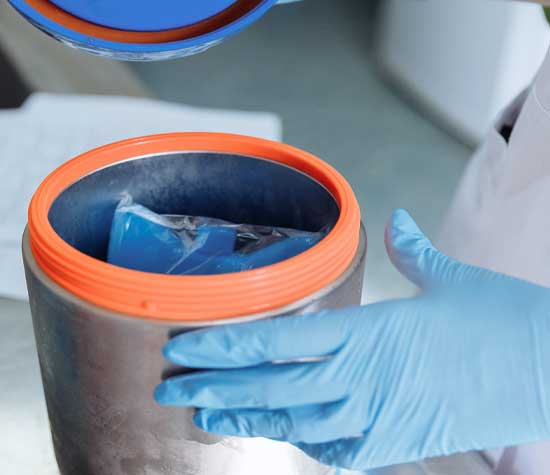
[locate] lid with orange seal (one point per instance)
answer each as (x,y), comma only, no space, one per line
(141,30)
(194,298)
(144,15)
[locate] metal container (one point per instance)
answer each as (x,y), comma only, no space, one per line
(99,370)
(100,367)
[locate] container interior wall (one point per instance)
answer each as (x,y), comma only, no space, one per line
(235,188)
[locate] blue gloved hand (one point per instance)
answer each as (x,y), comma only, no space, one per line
(463,366)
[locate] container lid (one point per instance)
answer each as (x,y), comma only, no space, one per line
(194,298)
(144,15)
(136,45)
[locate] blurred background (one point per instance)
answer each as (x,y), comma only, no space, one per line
(394,94)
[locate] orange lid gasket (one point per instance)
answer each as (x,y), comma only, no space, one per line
(66,19)
(194,298)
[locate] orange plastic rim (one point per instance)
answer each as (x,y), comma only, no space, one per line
(194,298)
(64,18)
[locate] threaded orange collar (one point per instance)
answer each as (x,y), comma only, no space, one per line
(194,298)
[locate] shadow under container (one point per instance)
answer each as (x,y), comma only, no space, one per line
(100,328)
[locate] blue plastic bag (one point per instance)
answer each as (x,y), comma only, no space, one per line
(189,245)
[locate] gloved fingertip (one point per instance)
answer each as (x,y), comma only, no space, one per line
(212,348)
(170,352)
(410,251)
(220,422)
(200,419)
(404,236)
(400,213)
(162,394)
(181,349)
(402,222)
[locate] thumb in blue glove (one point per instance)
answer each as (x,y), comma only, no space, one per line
(463,366)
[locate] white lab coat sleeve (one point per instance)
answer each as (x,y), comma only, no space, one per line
(500,219)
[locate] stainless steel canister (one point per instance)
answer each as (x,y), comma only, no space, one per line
(99,368)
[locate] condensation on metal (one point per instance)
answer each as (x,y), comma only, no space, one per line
(176,153)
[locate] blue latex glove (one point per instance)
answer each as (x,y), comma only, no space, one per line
(463,366)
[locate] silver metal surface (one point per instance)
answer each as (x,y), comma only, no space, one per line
(99,369)
(25,442)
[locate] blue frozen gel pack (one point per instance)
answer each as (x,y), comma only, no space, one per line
(190,245)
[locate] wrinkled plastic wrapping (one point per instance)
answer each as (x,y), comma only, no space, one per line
(192,245)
